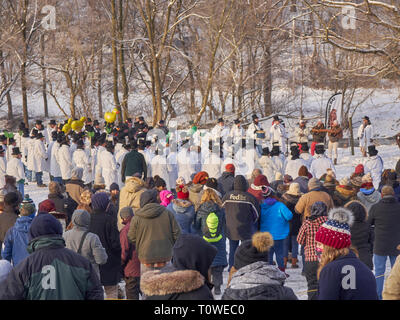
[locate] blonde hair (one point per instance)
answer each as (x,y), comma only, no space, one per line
(330,254)
(210,195)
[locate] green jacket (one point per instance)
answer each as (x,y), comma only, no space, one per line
(154,231)
(52,272)
(133,162)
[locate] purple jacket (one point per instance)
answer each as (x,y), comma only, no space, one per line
(129,257)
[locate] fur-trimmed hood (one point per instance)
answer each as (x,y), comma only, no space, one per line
(182,203)
(157,283)
(346,191)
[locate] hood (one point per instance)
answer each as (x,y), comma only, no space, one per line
(374,197)
(134,184)
(81,219)
(158,283)
(23,223)
(45,225)
(209,206)
(196,188)
(255,274)
(269,202)
(358,209)
(240,183)
(226,175)
(192,252)
(150,211)
(180,205)
(291,198)
(42,242)
(147,197)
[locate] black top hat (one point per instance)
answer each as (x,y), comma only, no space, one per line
(276,118)
(372,150)
(220,120)
(52,121)
(16,151)
(141,118)
(319,148)
(80,144)
(25,133)
(38,122)
(237,121)
(304,146)
(96,122)
(254,116)
(265,151)
(366,118)
(161,121)
(11,141)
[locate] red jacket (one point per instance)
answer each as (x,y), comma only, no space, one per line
(129,257)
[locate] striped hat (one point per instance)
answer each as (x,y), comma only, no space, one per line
(335,232)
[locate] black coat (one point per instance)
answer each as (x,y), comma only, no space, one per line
(295,223)
(104,225)
(362,238)
(385,216)
(225,182)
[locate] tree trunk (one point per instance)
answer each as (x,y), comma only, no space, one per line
(23,65)
(44,77)
(268,83)
(99,85)
(115,58)
(125,87)
(351,135)
(4,80)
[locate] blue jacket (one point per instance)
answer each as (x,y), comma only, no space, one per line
(347,278)
(275,218)
(184,214)
(17,240)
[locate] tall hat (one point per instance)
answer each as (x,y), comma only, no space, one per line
(254,116)
(15,151)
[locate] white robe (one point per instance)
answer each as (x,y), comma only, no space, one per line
(308,158)
(278,135)
(3,171)
(65,162)
(81,159)
(293,166)
(109,168)
(374,166)
(320,165)
(212,164)
(15,168)
(119,157)
(39,156)
(55,169)
(159,168)
(172,167)
(185,167)
(366,136)
(279,165)
(268,167)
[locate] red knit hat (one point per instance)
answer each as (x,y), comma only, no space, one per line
(47,206)
(359,169)
(230,168)
(200,178)
(261,180)
(335,232)
(182,192)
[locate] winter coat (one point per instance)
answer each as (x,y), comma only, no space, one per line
(374,165)
(92,249)
(301,134)
(268,167)
(39,156)
(48,155)
(391,289)
(15,168)
(368,197)
(258,281)
(109,168)
(184,213)
(365,135)
(133,162)
(159,168)
(65,161)
(275,217)
(385,216)
(16,241)
(337,273)
(225,182)
(105,227)
(200,224)
(303,183)
(129,258)
(293,166)
(345,194)
(172,167)
(306,236)
(251,132)
(335,134)
(195,193)
(7,220)
(362,238)
(75,187)
(30,155)
(81,159)
(290,202)
(119,157)
(153,231)
(278,134)
(279,165)
(24,149)
(308,158)
(320,164)
(242,211)
(55,169)
(130,196)
(318,136)
(237,134)
(306,201)
(75,277)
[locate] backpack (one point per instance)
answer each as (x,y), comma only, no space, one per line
(213,228)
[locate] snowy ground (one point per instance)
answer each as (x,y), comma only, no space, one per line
(346,164)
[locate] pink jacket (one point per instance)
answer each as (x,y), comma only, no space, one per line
(166,197)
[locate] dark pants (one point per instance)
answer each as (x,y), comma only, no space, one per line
(310,269)
(233,244)
(278,248)
(132,288)
(216,275)
(39,178)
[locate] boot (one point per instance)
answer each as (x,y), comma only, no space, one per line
(294,263)
(285,260)
(335,162)
(283,270)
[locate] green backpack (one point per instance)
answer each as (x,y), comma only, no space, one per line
(213,228)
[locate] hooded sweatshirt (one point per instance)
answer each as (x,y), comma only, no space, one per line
(368,197)
(183,211)
(153,231)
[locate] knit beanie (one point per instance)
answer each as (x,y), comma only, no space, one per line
(253,250)
(27,207)
(359,169)
(114,186)
(212,183)
(261,180)
(230,168)
(314,183)
(182,192)
(180,181)
(329,181)
(100,201)
(45,224)
(166,197)
(335,232)
(47,206)
(200,178)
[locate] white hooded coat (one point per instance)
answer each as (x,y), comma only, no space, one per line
(366,136)
(212,164)
(320,165)
(293,166)
(109,168)
(374,166)
(3,171)
(119,157)
(39,156)
(185,167)
(15,168)
(267,167)
(278,134)
(81,159)
(30,162)
(55,169)
(159,168)
(65,162)
(172,167)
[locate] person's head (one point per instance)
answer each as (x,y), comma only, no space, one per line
(44,225)
(80,219)
(255,173)
(148,197)
(335,123)
(114,189)
(47,206)
(182,192)
(240,183)
(294,190)
(221,122)
(303,171)
(54,188)
(10,180)
(99,182)
(27,207)
(11,201)
(200,178)
(319,149)
(366,120)
(100,201)
(255,118)
(334,235)
(159,183)
(126,214)
(318,209)
(209,195)
(230,167)
(359,170)
(237,123)
(302,123)
(387,191)
(16,153)
(278,176)
(166,197)
(359,210)
(314,184)
(180,181)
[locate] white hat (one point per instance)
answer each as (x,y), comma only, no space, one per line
(294,189)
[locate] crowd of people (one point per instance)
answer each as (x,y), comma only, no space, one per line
(156,211)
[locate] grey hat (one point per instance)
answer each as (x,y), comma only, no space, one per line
(77,173)
(126,213)
(81,218)
(314,183)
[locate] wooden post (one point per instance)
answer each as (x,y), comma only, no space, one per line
(351,135)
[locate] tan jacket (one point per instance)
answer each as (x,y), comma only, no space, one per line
(391,290)
(130,196)
(195,193)
(306,201)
